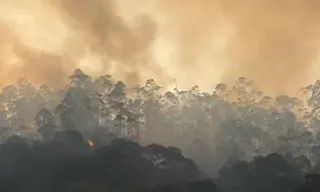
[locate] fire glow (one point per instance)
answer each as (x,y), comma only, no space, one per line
(91,143)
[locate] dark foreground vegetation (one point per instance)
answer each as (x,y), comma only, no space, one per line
(97,135)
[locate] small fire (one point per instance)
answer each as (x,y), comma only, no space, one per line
(91,143)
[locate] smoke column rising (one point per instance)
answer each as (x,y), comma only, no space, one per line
(274,42)
(45,40)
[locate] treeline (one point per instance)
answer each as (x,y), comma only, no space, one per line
(68,163)
(232,122)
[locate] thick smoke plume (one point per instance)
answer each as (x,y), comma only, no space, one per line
(204,42)
(45,40)
(274,42)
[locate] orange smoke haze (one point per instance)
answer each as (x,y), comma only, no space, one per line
(45,40)
(273,42)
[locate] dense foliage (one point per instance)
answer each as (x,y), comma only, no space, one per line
(247,140)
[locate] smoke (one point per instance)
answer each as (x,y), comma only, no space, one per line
(45,41)
(204,42)
(274,43)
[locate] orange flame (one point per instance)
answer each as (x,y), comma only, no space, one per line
(91,143)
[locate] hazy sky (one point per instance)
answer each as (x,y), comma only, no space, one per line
(273,42)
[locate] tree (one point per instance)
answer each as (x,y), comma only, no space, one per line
(270,173)
(45,124)
(80,79)
(311,184)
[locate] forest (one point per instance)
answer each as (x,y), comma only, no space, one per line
(98,135)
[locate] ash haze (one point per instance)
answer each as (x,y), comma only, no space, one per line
(204,42)
(44,40)
(273,42)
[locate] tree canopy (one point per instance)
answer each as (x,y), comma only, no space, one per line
(244,139)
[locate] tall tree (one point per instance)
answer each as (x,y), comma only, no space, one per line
(45,124)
